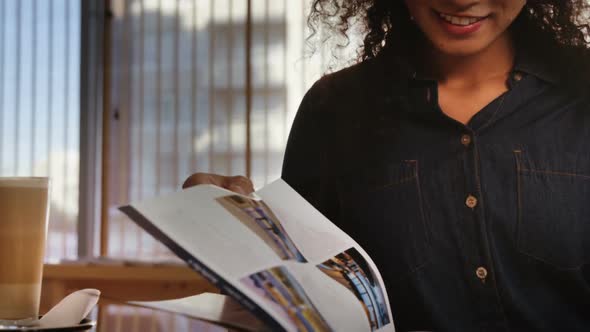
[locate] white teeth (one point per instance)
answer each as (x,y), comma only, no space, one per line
(459,20)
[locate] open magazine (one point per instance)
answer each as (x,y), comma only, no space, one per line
(275,254)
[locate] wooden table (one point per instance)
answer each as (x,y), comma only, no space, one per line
(124,281)
(121,281)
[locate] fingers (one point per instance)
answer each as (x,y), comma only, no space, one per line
(203,178)
(239,184)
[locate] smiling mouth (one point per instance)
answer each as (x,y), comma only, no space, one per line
(460,20)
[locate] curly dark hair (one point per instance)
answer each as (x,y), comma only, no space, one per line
(556,30)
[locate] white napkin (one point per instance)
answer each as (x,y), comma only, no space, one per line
(71,310)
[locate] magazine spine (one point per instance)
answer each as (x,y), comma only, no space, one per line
(202,269)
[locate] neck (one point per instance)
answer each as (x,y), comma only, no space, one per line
(495,61)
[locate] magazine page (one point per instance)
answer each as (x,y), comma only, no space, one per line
(288,265)
(203,233)
(353,278)
(216,308)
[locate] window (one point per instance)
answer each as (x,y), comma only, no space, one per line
(39,106)
(182,97)
(179,98)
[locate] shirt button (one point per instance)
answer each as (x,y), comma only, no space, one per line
(466,140)
(517,76)
(481,273)
(471,201)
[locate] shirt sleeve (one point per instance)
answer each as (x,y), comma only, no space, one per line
(306,162)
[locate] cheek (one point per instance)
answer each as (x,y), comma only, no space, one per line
(503,22)
(511,10)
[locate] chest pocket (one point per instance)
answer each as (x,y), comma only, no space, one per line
(382,208)
(554,209)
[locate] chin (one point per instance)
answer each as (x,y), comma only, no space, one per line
(461,49)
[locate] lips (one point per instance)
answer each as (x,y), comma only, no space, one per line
(460,26)
(460,20)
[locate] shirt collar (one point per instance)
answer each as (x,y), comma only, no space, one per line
(410,65)
(532,64)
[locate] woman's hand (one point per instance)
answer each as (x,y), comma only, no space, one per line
(240,184)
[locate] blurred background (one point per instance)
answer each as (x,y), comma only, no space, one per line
(121,100)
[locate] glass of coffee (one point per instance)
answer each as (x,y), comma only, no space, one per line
(24,209)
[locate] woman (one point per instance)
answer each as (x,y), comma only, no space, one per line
(456,154)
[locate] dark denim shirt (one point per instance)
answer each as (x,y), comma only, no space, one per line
(477,227)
